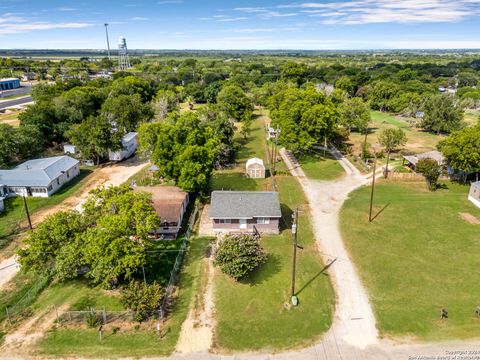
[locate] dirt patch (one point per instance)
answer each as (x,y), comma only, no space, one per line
(470,218)
(23,339)
(197,330)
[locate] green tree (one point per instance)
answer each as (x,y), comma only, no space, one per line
(462,150)
(391,139)
(126,112)
(430,169)
(233,102)
(344,83)
(238,255)
(143,299)
(442,114)
(94,137)
(45,244)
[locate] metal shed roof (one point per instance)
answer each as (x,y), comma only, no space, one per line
(38,172)
(244,204)
(255,161)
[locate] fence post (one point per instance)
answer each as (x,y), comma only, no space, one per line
(104,316)
(8,315)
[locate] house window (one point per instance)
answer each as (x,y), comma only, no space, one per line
(58,181)
(263,221)
(225,221)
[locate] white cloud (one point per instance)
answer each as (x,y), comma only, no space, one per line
(388,11)
(139,18)
(66,9)
(25,27)
(166,2)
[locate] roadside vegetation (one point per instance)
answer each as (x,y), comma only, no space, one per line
(417,257)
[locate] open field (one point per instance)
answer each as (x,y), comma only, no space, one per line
(10,118)
(417,256)
(417,140)
(14,213)
(136,342)
(255,313)
(318,167)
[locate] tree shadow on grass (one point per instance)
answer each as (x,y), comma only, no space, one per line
(286,221)
(264,272)
(233,181)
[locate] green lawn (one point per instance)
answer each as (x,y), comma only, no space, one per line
(318,167)
(14,210)
(417,256)
(252,314)
(255,313)
(144,341)
(10,118)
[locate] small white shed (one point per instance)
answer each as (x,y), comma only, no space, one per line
(69,149)
(129,145)
(255,168)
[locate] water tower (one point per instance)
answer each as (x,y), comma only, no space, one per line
(123,62)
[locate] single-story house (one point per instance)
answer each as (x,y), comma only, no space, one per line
(129,145)
(242,211)
(412,160)
(40,177)
(474,194)
(255,168)
(170,203)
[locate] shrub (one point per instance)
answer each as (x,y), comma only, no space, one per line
(141,298)
(431,170)
(239,255)
(92,320)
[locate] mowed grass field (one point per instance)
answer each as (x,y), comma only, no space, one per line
(131,342)
(318,167)
(255,313)
(10,118)
(418,256)
(418,140)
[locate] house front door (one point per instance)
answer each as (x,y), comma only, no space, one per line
(243,224)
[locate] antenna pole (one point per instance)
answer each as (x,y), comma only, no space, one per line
(26,211)
(108,42)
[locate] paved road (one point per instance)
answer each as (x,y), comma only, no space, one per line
(20,101)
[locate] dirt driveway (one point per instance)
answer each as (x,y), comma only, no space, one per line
(114,174)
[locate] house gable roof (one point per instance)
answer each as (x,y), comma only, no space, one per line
(38,172)
(244,204)
(255,161)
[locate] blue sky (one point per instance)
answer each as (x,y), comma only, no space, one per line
(241,24)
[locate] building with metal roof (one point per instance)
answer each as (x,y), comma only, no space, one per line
(474,194)
(129,145)
(242,211)
(9,83)
(40,177)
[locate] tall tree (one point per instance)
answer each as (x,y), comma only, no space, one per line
(391,139)
(442,114)
(233,101)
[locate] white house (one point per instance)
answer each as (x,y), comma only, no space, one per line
(474,194)
(40,177)
(129,145)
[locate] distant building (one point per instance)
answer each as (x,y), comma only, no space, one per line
(40,177)
(69,149)
(3,196)
(474,194)
(271,133)
(9,83)
(242,211)
(412,160)
(129,145)
(170,204)
(255,168)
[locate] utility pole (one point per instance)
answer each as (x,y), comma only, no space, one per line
(277,132)
(373,188)
(294,233)
(28,214)
(108,42)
